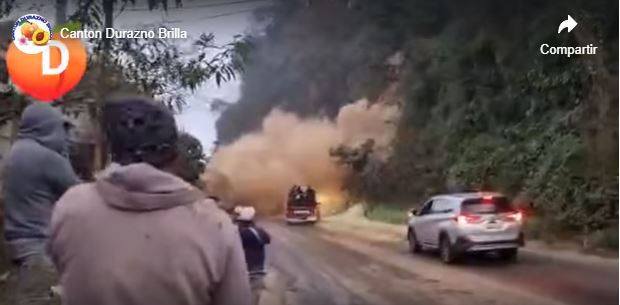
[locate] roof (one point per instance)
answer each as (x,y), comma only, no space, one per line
(470,195)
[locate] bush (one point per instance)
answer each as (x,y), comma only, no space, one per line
(533,228)
(387,213)
(606,238)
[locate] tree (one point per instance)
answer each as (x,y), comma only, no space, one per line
(479,108)
(154,67)
(6,6)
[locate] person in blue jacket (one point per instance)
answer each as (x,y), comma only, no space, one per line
(254,239)
(37,172)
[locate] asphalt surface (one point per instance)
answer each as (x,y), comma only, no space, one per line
(311,265)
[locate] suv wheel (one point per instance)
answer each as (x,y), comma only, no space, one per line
(414,246)
(446,252)
(509,254)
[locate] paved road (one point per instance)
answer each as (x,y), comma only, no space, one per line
(310,265)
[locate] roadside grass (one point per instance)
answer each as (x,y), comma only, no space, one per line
(3,295)
(535,228)
(387,213)
(606,238)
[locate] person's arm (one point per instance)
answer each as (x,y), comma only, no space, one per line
(52,242)
(265,237)
(60,173)
(234,289)
(58,229)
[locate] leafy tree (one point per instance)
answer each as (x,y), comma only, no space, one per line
(6,6)
(159,66)
(156,67)
(481,109)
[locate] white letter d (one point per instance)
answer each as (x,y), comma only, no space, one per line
(64,58)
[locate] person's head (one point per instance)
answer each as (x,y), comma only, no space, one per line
(191,158)
(46,125)
(244,214)
(140,130)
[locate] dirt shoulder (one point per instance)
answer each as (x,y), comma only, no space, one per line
(311,265)
(353,222)
(542,274)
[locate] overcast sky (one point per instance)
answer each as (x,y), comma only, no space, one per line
(223,18)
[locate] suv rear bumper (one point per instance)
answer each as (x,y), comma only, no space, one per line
(313,218)
(464,244)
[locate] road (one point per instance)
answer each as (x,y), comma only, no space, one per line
(313,265)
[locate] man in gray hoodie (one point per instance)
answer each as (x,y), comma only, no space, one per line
(36,173)
(140,235)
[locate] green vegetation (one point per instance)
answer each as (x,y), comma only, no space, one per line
(606,238)
(481,108)
(70,26)
(488,112)
(387,213)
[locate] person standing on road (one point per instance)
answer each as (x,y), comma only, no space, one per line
(254,239)
(36,173)
(140,234)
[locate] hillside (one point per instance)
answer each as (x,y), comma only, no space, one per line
(481,107)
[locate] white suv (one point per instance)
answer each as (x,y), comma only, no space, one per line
(466,222)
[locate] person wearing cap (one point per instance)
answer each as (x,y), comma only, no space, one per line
(140,234)
(254,240)
(191,157)
(36,173)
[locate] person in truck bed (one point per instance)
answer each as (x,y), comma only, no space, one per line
(303,195)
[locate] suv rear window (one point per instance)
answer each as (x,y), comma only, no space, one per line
(486,205)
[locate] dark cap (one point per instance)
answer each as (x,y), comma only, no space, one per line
(139,130)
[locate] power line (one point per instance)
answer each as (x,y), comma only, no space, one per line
(174,21)
(229,14)
(205,5)
(210,16)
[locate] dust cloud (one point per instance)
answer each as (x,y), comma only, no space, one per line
(259,168)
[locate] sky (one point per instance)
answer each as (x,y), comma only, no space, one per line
(223,18)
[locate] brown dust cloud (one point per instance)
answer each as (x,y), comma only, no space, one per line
(259,168)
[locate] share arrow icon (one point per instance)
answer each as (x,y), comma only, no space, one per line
(569,24)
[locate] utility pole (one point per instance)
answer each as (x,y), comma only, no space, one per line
(101,147)
(61,11)
(108,12)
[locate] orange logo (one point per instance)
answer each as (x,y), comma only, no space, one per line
(51,70)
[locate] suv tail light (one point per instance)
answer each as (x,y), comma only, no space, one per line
(513,217)
(468,219)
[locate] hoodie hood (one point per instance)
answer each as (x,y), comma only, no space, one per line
(142,187)
(45,125)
